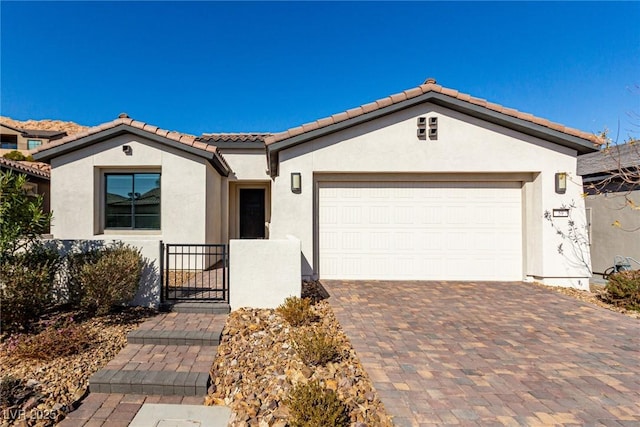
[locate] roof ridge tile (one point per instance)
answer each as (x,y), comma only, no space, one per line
(431,86)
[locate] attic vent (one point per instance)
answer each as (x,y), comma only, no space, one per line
(124,116)
(430,80)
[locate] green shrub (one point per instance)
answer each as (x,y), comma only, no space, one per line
(22,219)
(26,287)
(112,279)
(15,155)
(623,289)
(311,405)
(297,311)
(57,340)
(315,347)
(74,288)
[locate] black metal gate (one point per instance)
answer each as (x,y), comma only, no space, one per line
(194,272)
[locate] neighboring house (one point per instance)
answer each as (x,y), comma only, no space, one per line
(614,226)
(428,184)
(25,140)
(38,177)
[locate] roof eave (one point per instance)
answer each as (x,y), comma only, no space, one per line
(253,145)
(526,127)
(121,129)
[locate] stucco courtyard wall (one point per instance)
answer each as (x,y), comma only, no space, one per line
(262,273)
(389,148)
(608,240)
(149,290)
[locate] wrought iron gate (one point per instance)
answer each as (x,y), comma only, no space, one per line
(195,272)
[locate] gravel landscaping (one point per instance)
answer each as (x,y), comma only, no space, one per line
(593,297)
(43,392)
(257,367)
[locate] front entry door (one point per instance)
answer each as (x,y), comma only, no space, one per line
(252,213)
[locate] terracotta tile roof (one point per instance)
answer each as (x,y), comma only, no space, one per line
(38,169)
(428,86)
(234,137)
(124,119)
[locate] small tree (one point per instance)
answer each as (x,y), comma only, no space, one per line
(27,270)
(22,218)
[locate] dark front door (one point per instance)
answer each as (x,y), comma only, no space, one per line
(252,213)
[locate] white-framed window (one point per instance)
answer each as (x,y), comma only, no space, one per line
(132,200)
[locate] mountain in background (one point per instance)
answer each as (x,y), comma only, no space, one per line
(58,125)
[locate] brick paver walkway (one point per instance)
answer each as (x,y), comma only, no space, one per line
(118,410)
(176,347)
(491,353)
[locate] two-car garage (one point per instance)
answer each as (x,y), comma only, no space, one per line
(432,184)
(419,230)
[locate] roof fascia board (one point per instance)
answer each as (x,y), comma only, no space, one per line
(477,111)
(514,123)
(247,145)
(35,134)
(219,166)
(112,133)
(122,129)
(21,131)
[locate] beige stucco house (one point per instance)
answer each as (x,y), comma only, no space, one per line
(428,184)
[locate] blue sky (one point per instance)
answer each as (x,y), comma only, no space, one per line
(238,67)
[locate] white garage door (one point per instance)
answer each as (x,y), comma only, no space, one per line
(420,230)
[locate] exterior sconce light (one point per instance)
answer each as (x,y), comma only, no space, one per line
(126,149)
(561,182)
(296,182)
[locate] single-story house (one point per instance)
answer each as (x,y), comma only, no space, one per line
(427,184)
(610,178)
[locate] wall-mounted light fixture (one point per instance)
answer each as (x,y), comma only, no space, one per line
(126,149)
(561,182)
(296,182)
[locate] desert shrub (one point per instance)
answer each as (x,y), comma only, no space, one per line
(315,347)
(9,386)
(311,405)
(74,289)
(56,340)
(112,279)
(623,289)
(297,311)
(15,155)
(26,286)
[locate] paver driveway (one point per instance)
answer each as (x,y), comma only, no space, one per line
(491,353)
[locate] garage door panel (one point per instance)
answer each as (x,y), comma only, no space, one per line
(420,230)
